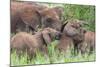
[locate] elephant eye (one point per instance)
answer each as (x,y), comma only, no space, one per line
(49,20)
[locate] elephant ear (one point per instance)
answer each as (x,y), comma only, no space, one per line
(59,10)
(46,37)
(30,16)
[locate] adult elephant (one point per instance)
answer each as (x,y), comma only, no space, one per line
(29,15)
(23,15)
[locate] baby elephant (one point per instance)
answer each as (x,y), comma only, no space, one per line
(24,42)
(71,27)
(72,35)
(89,43)
(65,43)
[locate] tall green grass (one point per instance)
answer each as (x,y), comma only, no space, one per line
(54,56)
(81,12)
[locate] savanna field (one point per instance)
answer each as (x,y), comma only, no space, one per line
(81,12)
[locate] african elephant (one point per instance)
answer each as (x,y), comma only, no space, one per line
(88,46)
(26,15)
(72,30)
(25,42)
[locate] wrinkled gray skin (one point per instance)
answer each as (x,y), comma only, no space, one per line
(23,41)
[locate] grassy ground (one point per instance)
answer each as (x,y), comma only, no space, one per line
(54,57)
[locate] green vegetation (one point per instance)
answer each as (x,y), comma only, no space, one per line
(54,56)
(81,12)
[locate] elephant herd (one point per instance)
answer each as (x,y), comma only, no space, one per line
(46,26)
